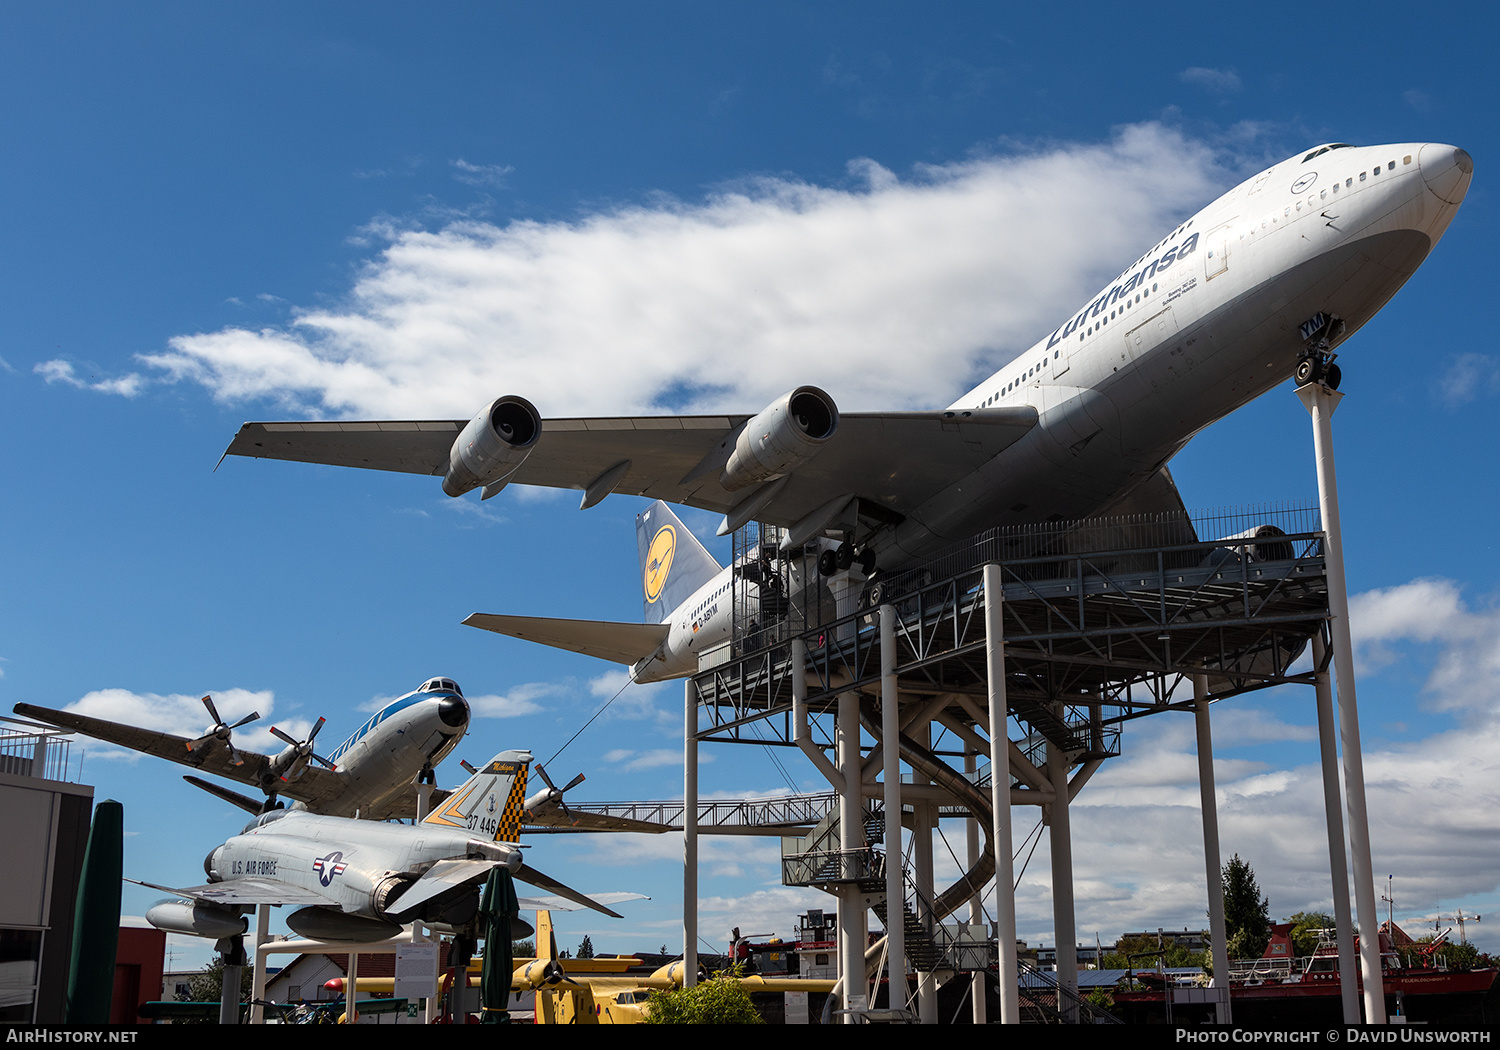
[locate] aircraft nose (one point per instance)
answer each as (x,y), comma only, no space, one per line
(453,711)
(1446,170)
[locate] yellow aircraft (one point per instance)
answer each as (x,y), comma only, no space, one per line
(592,991)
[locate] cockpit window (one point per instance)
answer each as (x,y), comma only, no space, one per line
(1324,149)
(263,820)
(440,685)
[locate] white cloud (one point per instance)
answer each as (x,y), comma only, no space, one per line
(183,714)
(528,699)
(1465,676)
(62,372)
(893,293)
(481,174)
(1219,80)
(637,760)
(1467,376)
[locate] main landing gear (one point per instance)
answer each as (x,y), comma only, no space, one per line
(845,556)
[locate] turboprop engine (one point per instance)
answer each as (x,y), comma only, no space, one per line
(781,438)
(492,445)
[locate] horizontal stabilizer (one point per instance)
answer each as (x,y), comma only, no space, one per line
(234,798)
(526,873)
(621,643)
(564,904)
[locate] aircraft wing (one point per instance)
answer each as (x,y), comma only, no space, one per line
(557,821)
(316,785)
(621,643)
(245,892)
(893,461)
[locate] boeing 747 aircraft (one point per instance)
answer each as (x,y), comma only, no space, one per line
(1263,284)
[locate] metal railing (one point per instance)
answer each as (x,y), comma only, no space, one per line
(35,753)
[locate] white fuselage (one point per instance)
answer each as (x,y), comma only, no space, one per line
(1202,323)
(342,859)
(700,623)
(381,758)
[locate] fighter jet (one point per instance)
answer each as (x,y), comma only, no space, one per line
(361,880)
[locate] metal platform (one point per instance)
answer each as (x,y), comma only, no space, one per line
(1102,619)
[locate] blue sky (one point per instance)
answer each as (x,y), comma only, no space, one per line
(229,213)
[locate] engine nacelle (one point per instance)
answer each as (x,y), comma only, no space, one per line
(492,445)
(197,919)
(541,972)
(781,438)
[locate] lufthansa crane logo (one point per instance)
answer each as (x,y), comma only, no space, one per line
(1304,184)
(659,561)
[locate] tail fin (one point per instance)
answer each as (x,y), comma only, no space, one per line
(546,940)
(673,563)
(491,802)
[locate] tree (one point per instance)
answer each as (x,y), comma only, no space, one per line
(1305,925)
(1175,954)
(585,948)
(1247,914)
(722,1000)
(207,986)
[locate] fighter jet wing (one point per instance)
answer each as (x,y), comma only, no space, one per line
(243,892)
(893,461)
(314,787)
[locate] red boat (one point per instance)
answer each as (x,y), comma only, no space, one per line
(1280,989)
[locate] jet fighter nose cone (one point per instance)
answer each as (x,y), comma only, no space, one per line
(1446,170)
(453,711)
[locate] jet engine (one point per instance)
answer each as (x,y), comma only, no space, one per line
(492,445)
(781,438)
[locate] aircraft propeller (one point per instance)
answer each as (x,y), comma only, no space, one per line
(222,731)
(290,763)
(553,793)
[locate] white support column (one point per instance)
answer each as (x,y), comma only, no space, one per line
(977,995)
(1321,403)
(922,879)
(1061,843)
(1212,867)
(1005,873)
(351,991)
(258,978)
(1333,815)
(689,834)
(890,730)
(418,931)
(852,918)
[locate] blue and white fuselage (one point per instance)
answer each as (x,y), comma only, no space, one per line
(381,758)
(1203,322)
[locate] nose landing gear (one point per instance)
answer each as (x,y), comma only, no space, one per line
(1316,363)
